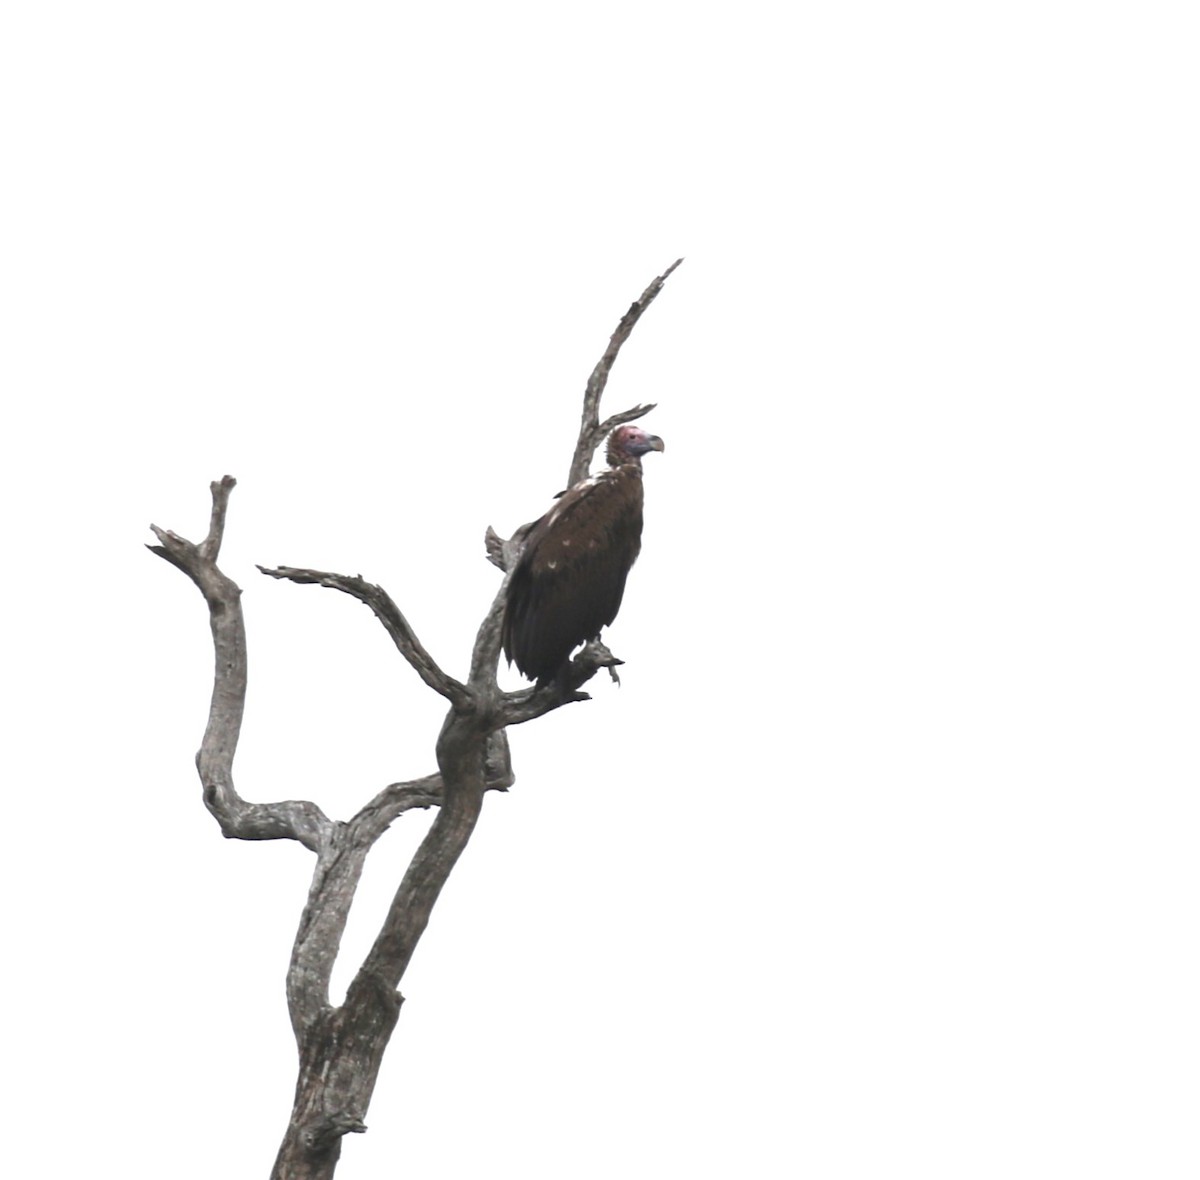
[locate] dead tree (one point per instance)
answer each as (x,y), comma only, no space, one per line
(341,1048)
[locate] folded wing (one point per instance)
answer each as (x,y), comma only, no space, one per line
(570,579)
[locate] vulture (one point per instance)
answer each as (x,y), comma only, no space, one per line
(570,577)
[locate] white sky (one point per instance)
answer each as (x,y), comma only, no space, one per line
(882,862)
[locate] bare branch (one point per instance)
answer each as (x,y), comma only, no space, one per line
(394,622)
(531,703)
(614,420)
(501,553)
(210,547)
(485,652)
(373,819)
(464,752)
(319,936)
(493,545)
(590,431)
(289,820)
(339,868)
(331,894)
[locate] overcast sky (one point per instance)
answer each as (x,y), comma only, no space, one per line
(882,860)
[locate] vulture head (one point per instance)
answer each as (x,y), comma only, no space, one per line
(627,444)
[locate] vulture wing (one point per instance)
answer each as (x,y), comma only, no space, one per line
(570,579)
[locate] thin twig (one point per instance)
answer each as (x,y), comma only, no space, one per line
(590,431)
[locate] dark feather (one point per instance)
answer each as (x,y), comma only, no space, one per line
(570,579)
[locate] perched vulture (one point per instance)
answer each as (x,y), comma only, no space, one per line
(571,574)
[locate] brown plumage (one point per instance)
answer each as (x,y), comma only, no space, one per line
(570,577)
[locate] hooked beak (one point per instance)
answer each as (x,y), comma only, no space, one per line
(654,443)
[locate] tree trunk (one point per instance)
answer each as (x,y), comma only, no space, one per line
(342,1049)
(338,1068)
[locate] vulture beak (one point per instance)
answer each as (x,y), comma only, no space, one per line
(654,443)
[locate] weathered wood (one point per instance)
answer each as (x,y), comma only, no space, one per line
(239,820)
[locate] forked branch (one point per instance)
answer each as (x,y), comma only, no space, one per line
(289,820)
